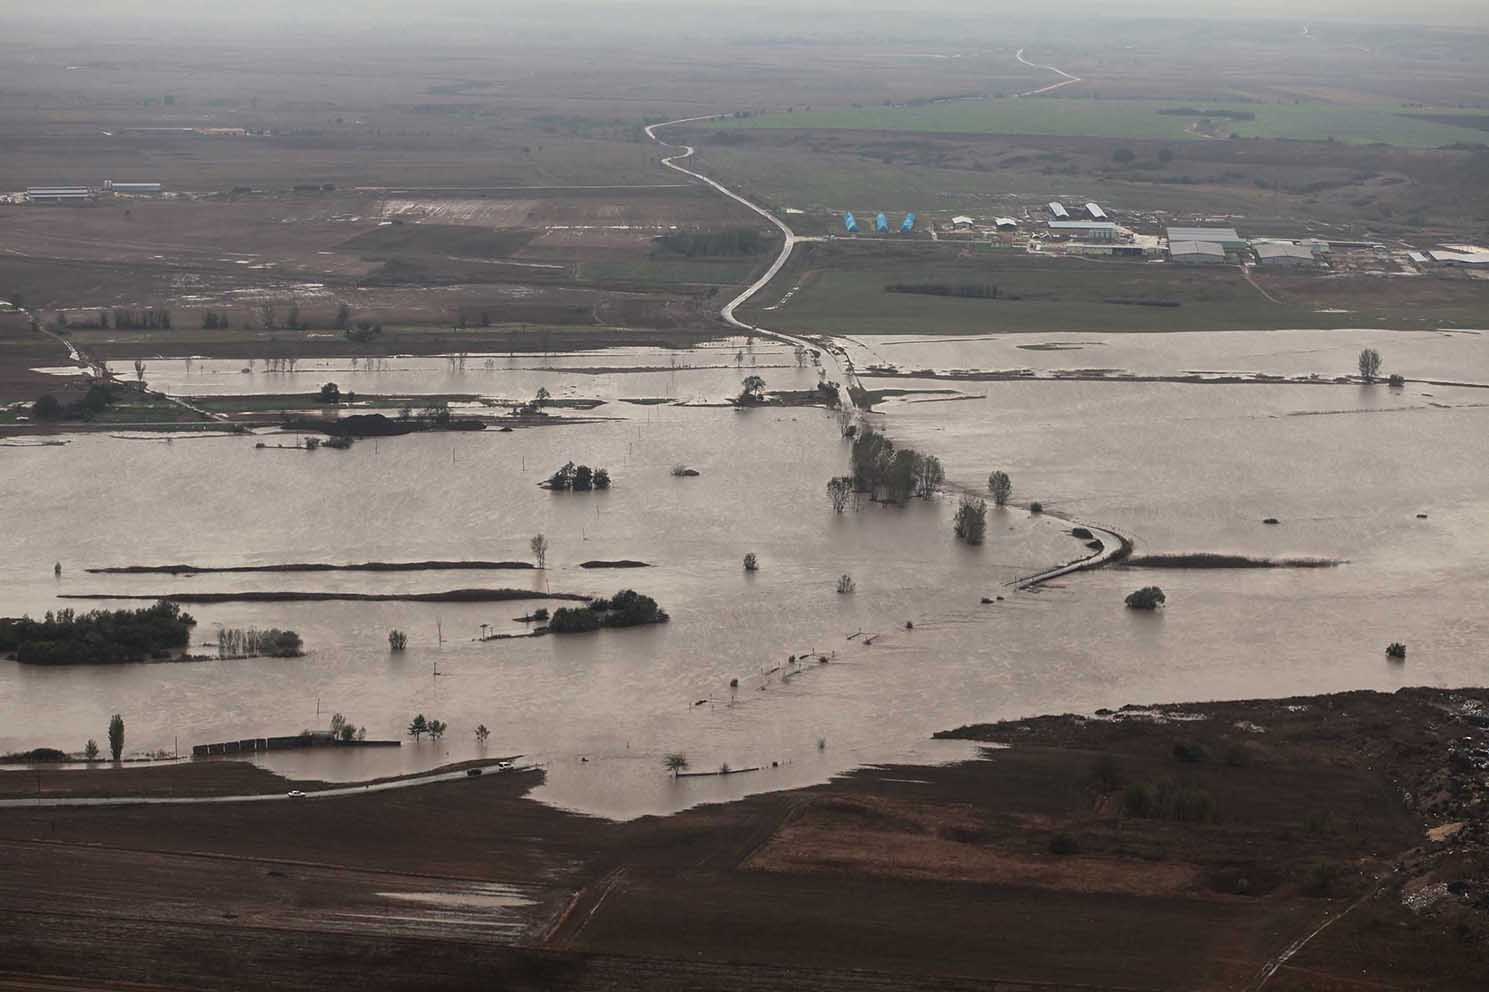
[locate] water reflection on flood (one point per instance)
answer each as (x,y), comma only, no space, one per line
(1179,467)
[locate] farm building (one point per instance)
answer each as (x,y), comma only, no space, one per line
(1283,254)
(111,186)
(1085,230)
(1006,224)
(59,194)
(962,223)
(1196,252)
(1095,212)
(1461,259)
(1225,237)
(1058,211)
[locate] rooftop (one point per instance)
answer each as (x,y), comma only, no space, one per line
(1276,249)
(1196,248)
(1220,235)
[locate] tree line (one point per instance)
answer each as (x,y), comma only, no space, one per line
(966,290)
(626,608)
(729,243)
(99,637)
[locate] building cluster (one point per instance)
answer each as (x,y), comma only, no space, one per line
(77,195)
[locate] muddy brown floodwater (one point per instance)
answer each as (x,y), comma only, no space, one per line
(1180,468)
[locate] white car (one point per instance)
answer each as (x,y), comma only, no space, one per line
(296,794)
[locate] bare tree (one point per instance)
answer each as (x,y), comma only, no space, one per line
(481,734)
(539,546)
(139,370)
(840,491)
(1369,364)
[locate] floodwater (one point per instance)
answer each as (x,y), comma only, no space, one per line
(1346,469)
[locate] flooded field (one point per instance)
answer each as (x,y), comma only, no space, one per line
(1178,467)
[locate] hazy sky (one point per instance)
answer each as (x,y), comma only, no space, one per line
(422,12)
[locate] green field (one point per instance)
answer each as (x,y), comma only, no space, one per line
(1136,119)
(841,290)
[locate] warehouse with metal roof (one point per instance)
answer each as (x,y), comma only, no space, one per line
(1226,237)
(1196,252)
(1283,253)
(1095,211)
(1095,230)
(1058,211)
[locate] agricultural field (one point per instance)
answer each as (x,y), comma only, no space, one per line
(1053,115)
(843,288)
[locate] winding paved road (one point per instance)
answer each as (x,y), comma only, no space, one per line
(846,375)
(1067,81)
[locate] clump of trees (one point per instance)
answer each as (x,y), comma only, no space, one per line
(752,390)
(95,401)
(751,563)
(1396,650)
(397,640)
(235,642)
(626,608)
(1001,486)
(846,584)
(1369,364)
(99,637)
(344,730)
(1146,598)
(330,393)
(148,319)
(578,478)
(214,320)
(893,475)
(970,522)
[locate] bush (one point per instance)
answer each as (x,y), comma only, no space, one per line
(1189,752)
(1001,486)
(751,563)
(47,408)
(1168,801)
(1036,507)
(846,583)
(1146,598)
(1063,844)
(1396,381)
(1396,650)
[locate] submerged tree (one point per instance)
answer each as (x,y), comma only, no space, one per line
(753,390)
(90,751)
(751,563)
(839,492)
(418,727)
(1369,364)
(436,729)
(970,524)
(1001,486)
(539,546)
(1146,598)
(675,762)
(481,734)
(116,735)
(397,640)
(928,475)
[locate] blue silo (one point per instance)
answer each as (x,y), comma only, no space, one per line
(908,225)
(850,224)
(881,224)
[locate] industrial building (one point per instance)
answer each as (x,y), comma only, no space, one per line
(1196,252)
(963,223)
(1095,212)
(1006,224)
(908,224)
(1280,254)
(881,224)
(133,188)
(1225,237)
(1464,259)
(59,194)
(1058,211)
(850,224)
(1088,230)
